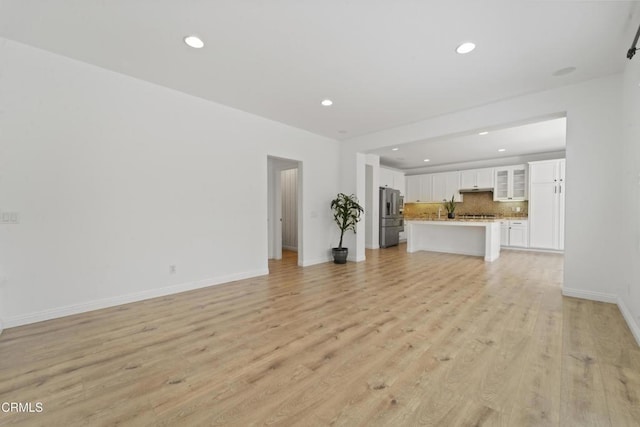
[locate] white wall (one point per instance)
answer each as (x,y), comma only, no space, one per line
(372,195)
(116,179)
(352,171)
(594,267)
(628,218)
(368,208)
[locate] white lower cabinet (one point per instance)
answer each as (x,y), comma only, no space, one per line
(504,232)
(518,233)
(514,233)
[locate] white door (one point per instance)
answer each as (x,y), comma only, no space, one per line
(289,196)
(561,194)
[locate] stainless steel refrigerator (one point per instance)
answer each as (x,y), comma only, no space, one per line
(391,219)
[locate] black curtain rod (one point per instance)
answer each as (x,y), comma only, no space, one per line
(632,50)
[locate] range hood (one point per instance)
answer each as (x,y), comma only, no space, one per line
(475,190)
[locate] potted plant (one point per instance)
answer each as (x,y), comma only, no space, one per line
(450,206)
(346,213)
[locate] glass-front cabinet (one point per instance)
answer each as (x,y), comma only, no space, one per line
(510,183)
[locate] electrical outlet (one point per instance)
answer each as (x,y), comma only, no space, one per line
(172,269)
(10,218)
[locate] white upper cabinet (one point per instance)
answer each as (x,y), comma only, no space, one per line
(419,188)
(485,178)
(469,179)
(446,185)
(547,172)
(399,182)
(477,178)
(426,188)
(510,183)
(392,179)
(385,178)
(413,189)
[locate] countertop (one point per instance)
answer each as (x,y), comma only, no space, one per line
(452,220)
(444,218)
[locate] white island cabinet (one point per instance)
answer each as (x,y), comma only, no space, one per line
(478,238)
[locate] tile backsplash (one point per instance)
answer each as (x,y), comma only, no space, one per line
(473,203)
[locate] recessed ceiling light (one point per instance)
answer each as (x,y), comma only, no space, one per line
(395,149)
(502,149)
(194,42)
(465,48)
(426,160)
(484,132)
(327,102)
(564,71)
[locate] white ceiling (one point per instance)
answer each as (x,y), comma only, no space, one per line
(547,136)
(383,63)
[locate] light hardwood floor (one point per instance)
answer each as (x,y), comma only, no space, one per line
(399,340)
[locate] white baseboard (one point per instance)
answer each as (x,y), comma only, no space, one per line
(84,307)
(590,295)
(633,325)
(520,248)
(308,262)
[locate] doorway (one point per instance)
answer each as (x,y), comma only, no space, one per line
(284,217)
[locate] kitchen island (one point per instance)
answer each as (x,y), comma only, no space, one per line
(458,236)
